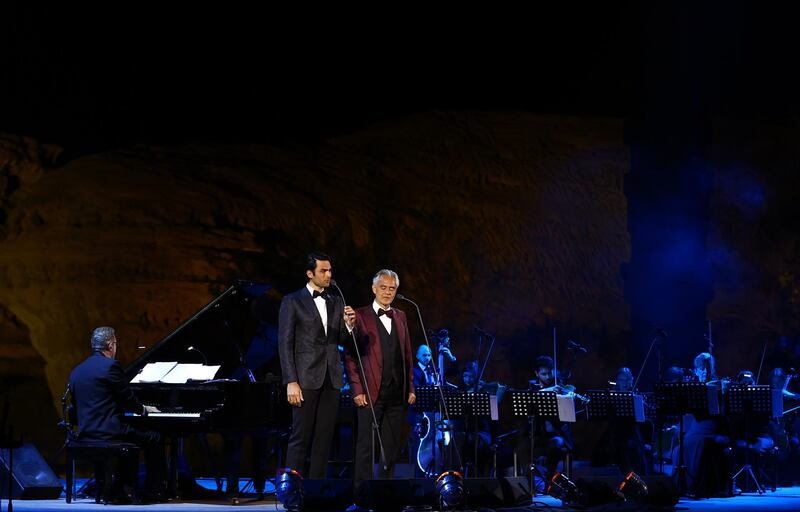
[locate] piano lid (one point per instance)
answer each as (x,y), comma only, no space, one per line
(240,323)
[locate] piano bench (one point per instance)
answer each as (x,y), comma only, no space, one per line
(104,454)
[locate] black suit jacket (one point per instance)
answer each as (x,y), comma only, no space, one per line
(306,352)
(101,395)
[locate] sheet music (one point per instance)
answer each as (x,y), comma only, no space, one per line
(174,373)
(154,372)
(190,371)
(566,408)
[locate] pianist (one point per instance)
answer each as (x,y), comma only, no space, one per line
(100,396)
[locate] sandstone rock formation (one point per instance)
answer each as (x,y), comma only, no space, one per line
(511,221)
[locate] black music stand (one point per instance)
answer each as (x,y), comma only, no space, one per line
(429,400)
(748,401)
(679,398)
(476,405)
(606,405)
(534,404)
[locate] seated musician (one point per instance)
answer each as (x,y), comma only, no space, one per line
(706,442)
(750,432)
(552,438)
(100,396)
(464,428)
(786,429)
(626,438)
(423,370)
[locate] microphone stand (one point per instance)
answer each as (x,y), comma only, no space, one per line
(659,335)
(375,426)
(492,339)
(437,376)
(242,361)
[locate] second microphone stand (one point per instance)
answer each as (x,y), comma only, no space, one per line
(437,376)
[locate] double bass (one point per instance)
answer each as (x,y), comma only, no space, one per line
(434,430)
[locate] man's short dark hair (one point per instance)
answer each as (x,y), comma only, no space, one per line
(314,257)
(545,362)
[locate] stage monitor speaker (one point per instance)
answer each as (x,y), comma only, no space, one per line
(327,493)
(480,493)
(31,476)
(516,491)
(484,492)
(395,495)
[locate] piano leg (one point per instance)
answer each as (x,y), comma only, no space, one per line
(175,452)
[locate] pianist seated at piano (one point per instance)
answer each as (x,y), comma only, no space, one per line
(101,395)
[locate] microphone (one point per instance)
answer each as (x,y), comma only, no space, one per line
(193,349)
(577,347)
(480,331)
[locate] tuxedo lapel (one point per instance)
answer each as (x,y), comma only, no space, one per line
(308,302)
(371,323)
(329,306)
(400,325)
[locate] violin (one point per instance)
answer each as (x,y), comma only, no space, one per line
(568,390)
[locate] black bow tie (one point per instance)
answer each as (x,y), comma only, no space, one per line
(387,312)
(322,294)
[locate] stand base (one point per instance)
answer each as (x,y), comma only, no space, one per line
(748,470)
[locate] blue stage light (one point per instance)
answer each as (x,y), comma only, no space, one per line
(289,489)
(450,490)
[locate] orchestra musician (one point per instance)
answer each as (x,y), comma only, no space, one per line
(384,344)
(552,437)
(100,396)
(311,324)
(706,441)
(423,369)
(464,432)
(628,441)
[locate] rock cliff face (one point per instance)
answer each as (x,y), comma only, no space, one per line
(754,244)
(506,220)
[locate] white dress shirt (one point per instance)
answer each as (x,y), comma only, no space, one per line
(321,307)
(387,322)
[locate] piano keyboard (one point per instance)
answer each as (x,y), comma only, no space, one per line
(173,415)
(169,415)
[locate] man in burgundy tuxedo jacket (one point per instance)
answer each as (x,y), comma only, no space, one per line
(385,347)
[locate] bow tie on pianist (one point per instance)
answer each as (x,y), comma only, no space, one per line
(387,312)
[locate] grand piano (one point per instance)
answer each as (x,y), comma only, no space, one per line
(237,331)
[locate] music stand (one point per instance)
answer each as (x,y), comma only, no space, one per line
(429,400)
(606,404)
(476,405)
(679,398)
(532,405)
(747,401)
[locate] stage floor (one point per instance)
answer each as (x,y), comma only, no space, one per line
(785,499)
